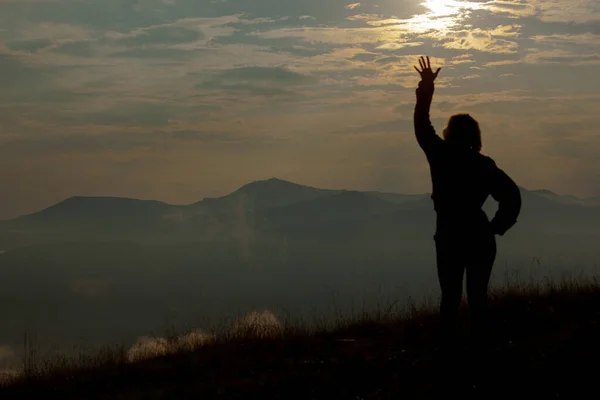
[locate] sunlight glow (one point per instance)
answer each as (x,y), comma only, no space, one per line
(443,14)
(440,7)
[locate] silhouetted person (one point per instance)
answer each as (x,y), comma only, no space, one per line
(462,180)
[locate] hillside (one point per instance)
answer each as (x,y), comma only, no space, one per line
(544,344)
(339,214)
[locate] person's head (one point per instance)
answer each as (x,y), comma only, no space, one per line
(463,131)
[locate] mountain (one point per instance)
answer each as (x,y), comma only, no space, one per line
(274,193)
(94,213)
(274,206)
(337,213)
(399,198)
(568,199)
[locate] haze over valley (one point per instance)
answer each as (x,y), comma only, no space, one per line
(101,270)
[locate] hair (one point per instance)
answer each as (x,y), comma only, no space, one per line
(463,130)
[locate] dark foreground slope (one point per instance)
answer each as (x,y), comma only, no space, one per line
(543,345)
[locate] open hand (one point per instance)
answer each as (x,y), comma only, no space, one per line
(427,74)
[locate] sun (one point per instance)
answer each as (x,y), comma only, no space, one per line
(438,8)
(442,14)
(438,16)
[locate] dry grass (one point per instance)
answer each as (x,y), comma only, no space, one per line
(544,335)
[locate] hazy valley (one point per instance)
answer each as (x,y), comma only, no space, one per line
(93,271)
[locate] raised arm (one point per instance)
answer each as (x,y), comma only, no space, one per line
(424,131)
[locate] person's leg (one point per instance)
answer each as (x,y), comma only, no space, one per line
(450,270)
(479,269)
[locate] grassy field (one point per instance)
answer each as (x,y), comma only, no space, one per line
(545,344)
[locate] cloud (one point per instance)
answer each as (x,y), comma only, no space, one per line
(513,9)
(29,45)
(264,74)
(160,35)
(78,49)
(118,79)
(79,143)
(578,11)
(339,35)
(588,39)
(256,81)
(263,323)
(15,75)
(396,125)
(562,57)
(490,41)
(162,54)
(207,137)
(567,10)
(133,114)
(116,140)
(150,42)
(501,63)
(54,31)
(153,347)
(469,77)
(397,46)
(148,347)
(23,82)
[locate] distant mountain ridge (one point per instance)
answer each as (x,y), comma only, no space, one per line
(275,207)
(568,199)
(271,192)
(96,213)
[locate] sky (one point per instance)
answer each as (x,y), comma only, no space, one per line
(177,100)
